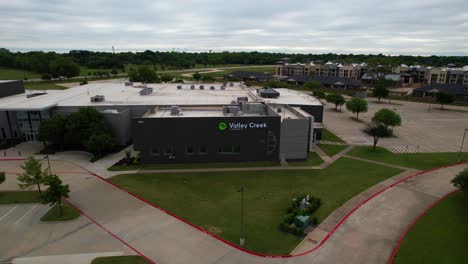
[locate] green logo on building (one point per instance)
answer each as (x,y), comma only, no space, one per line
(222,126)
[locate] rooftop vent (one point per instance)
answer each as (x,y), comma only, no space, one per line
(242,99)
(179,87)
(97,98)
(175,110)
(212,87)
(231,84)
(128,83)
(146,91)
(223,87)
(202,87)
(192,86)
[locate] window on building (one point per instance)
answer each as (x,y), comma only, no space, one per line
(155,151)
(203,150)
(189,150)
(168,151)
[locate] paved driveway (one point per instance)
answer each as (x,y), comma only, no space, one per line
(423,129)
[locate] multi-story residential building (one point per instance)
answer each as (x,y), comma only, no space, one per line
(328,69)
(447,75)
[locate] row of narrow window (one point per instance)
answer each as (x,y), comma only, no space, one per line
(195,150)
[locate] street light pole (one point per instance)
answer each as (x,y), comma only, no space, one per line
(461,146)
(48,163)
(242,240)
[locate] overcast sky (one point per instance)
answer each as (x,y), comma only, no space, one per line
(420,27)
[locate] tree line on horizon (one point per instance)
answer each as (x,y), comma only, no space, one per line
(67,64)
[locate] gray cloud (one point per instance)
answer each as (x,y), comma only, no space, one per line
(366,26)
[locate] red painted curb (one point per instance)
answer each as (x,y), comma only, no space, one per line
(335,228)
(109,232)
(410,226)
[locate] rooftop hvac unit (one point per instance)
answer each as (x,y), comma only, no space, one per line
(223,87)
(242,99)
(231,84)
(97,98)
(279,110)
(146,91)
(233,109)
(233,102)
(192,86)
(239,113)
(179,87)
(175,110)
(212,87)
(202,87)
(128,83)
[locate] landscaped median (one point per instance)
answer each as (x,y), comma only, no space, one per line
(213,201)
(421,161)
(312,160)
(54,215)
(440,236)
(332,150)
(120,260)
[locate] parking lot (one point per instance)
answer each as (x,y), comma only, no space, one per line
(425,128)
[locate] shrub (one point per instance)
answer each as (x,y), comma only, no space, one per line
(319,94)
(315,221)
(336,99)
(461,181)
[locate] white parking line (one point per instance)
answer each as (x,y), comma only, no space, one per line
(5,215)
(26,214)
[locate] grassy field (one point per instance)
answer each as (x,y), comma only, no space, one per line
(85,70)
(329,136)
(440,236)
(42,86)
(19,197)
(69,213)
(251,69)
(212,200)
(120,260)
(313,159)
(422,161)
(332,150)
(15,74)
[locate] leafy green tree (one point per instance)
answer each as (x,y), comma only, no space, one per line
(32,175)
(167,78)
(319,94)
(55,192)
(114,71)
(52,131)
(147,74)
(381,88)
(197,76)
(100,143)
(207,78)
(133,75)
(387,117)
(444,98)
(64,67)
(336,99)
(2,177)
(275,84)
(377,131)
(357,105)
(313,85)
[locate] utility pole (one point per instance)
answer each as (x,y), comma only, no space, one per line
(242,239)
(48,162)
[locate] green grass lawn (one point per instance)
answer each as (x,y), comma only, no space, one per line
(120,260)
(69,213)
(422,161)
(332,150)
(16,74)
(19,197)
(329,136)
(312,160)
(43,86)
(212,200)
(440,236)
(251,69)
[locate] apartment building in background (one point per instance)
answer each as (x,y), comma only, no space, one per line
(319,69)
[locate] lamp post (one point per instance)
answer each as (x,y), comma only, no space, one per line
(461,146)
(48,163)
(242,240)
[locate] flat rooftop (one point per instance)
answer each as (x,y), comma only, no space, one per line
(117,93)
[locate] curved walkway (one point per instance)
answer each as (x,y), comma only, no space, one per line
(366,234)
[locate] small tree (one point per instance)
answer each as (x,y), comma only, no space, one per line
(336,99)
(461,182)
(167,78)
(2,177)
(377,131)
(313,85)
(197,76)
(387,117)
(444,98)
(55,192)
(319,94)
(357,105)
(100,143)
(33,174)
(380,92)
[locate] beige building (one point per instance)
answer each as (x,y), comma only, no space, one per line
(329,69)
(447,75)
